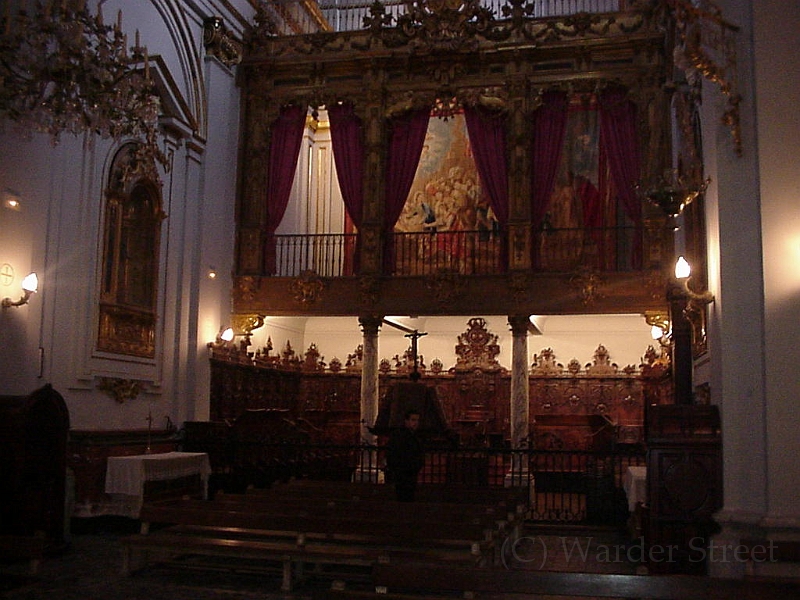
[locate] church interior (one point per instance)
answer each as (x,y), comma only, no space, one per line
(241,239)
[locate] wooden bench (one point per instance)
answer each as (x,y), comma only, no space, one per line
(294,535)
(328,521)
(425,492)
(395,581)
(497,515)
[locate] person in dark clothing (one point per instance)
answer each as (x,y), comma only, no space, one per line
(404,457)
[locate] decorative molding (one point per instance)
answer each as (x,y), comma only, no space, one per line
(545,365)
(219,43)
(370,288)
(246,288)
(706,47)
(477,348)
(307,289)
(446,286)
(519,283)
(120,389)
(587,282)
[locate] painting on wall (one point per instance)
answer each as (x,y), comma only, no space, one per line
(446,223)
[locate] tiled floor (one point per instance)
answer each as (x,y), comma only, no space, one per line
(89,569)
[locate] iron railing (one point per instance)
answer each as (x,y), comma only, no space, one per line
(328,254)
(464,252)
(562,486)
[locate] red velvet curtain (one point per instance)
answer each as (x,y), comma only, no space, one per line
(487,135)
(348,154)
(549,127)
(407,136)
(287,135)
(618,141)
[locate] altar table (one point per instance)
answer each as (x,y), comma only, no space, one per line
(126,475)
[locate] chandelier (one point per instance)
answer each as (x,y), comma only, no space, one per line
(63,70)
(672,191)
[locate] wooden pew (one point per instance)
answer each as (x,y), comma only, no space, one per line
(499,514)
(425,492)
(330,519)
(425,581)
(294,535)
(511,500)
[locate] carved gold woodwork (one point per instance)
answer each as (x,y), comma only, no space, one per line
(120,389)
(477,347)
(504,63)
(307,288)
(445,286)
(589,285)
(370,288)
(706,47)
(220,43)
(519,283)
(124,331)
(474,400)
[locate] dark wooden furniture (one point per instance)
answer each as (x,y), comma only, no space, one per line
(33,466)
(573,432)
(684,479)
(356,529)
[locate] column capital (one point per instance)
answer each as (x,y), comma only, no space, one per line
(370,324)
(519,324)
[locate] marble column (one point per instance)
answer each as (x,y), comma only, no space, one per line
(520,405)
(368,468)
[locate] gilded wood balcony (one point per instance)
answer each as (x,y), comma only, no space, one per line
(463,252)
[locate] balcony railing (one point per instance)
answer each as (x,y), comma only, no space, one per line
(348,15)
(328,254)
(465,252)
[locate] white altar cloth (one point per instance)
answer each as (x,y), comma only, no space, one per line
(126,475)
(634,482)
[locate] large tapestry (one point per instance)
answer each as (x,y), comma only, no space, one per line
(446,222)
(581,225)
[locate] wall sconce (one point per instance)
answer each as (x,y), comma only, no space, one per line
(29,286)
(11,200)
(683,273)
(660,328)
(226,335)
(223,339)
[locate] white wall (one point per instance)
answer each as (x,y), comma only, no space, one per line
(626,337)
(777,75)
(57,234)
(754,254)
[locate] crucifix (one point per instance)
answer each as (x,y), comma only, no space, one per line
(149,420)
(415,335)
